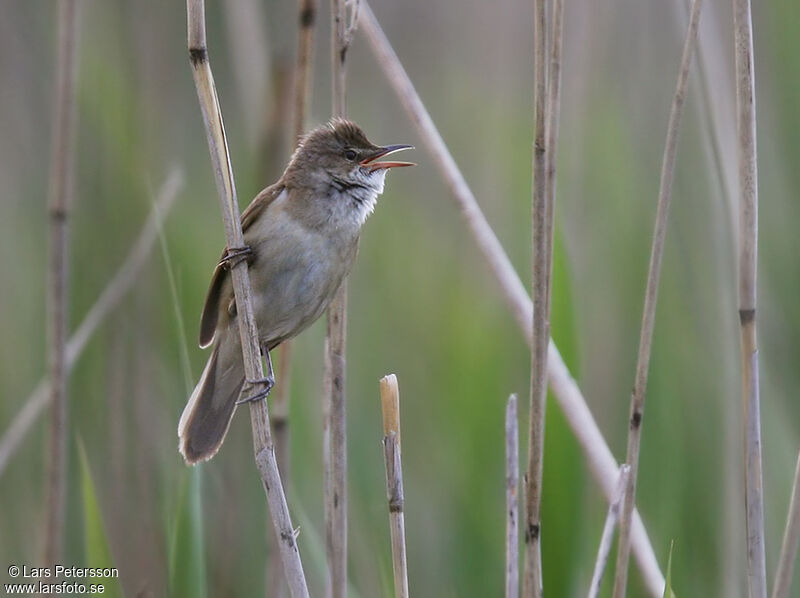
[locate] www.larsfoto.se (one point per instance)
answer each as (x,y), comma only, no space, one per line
(64,587)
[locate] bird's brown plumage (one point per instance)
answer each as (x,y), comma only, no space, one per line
(208,321)
(302,233)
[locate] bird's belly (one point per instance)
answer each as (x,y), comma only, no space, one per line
(293,290)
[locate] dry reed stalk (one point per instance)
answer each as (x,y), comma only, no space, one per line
(650,300)
(551,129)
(512,498)
(259,413)
(604,550)
(748,251)
(282,395)
(62,174)
(335,408)
(791,536)
(115,291)
(304,61)
(601,461)
(390,405)
(540,283)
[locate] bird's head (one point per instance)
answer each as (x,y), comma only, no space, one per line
(340,154)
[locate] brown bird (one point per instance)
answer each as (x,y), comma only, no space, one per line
(301,237)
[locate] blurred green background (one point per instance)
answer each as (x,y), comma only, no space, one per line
(423,303)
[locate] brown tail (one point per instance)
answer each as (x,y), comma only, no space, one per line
(208,413)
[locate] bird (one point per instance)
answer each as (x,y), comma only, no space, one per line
(301,238)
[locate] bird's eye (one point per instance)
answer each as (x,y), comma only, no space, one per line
(350,155)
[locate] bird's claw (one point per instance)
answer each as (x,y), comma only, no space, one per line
(234,255)
(262,394)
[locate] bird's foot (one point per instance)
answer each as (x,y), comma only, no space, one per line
(235,255)
(268,382)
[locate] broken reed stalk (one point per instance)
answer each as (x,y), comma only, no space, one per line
(512,499)
(390,406)
(335,433)
(601,461)
(748,252)
(532,580)
(259,414)
(397,529)
(62,174)
(791,536)
(604,550)
(650,300)
(112,295)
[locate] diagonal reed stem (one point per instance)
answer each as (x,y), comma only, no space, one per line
(748,252)
(650,300)
(62,174)
(599,457)
(791,536)
(112,295)
(259,414)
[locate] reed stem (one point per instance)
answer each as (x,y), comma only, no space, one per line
(259,414)
(62,174)
(512,499)
(650,300)
(748,254)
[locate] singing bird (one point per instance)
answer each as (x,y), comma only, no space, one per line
(301,236)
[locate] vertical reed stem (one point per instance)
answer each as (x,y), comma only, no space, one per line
(532,582)
(512,499)
(390,404)
(336,359)
(304,63)
(650,299)
(612,517)
(62,172)
(551,129)
(259,413)
(748,252)
(280,402)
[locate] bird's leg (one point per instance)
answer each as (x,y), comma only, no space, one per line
(268,381)
(234,255)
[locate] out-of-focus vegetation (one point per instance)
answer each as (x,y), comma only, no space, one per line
(423,303)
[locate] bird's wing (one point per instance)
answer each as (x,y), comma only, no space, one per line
(208,321)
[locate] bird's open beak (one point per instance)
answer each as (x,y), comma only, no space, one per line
(370,163)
